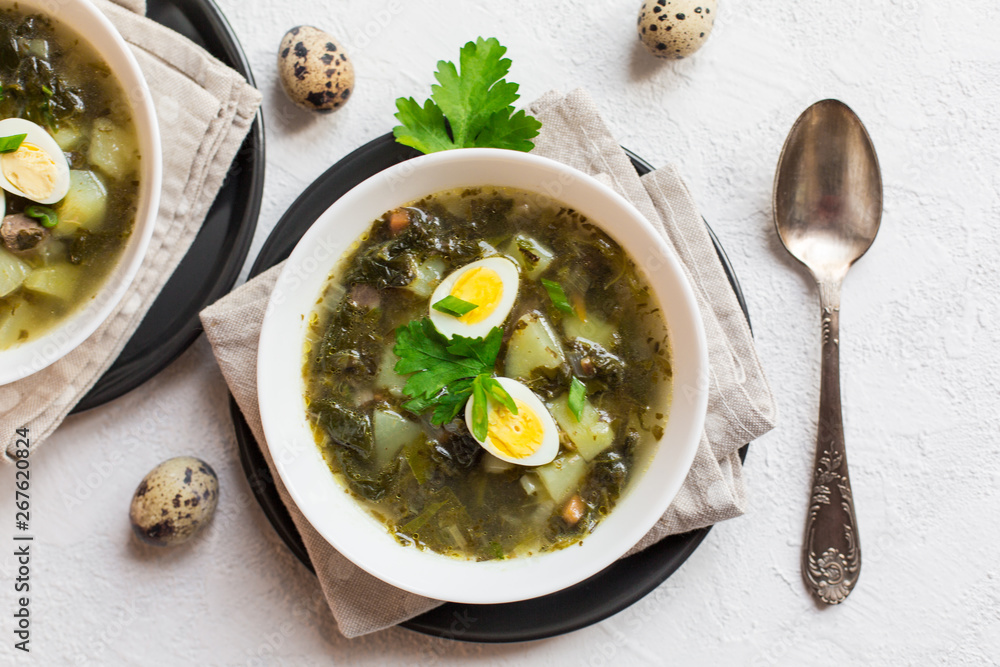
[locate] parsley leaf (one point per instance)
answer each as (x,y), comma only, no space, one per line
(469,99)
(423,127)
(510,132)
(445,373)
(484,349)
(423,351)
(473,101)
(451,401)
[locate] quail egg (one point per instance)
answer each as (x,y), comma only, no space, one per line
(528,438)
(314,70)
(37,170)
(489,284)
(675,29)
(174,501)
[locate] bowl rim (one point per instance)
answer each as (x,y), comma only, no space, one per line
(84,19)
(351,531)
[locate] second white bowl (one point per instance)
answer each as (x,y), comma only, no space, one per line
(341,520)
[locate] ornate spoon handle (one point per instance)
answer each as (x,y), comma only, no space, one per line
(831,558)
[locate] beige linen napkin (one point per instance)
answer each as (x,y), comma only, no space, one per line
(204,110)
(740,404)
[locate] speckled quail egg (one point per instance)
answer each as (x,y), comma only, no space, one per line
(489,284)
(675,29)
(528,438)
(174,501)
(37,170)
(314,70)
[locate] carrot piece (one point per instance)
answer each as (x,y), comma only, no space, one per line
(579,306)
(398,220)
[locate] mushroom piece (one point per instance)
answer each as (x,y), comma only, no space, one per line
(20,233)
(573,510)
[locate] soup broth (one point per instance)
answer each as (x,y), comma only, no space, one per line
(53,78)
(432,484)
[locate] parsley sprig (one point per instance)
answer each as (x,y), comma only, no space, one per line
(445,373)
(475,104)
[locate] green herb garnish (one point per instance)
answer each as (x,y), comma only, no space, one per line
(446,373)
(48,91)
(11,143)
(474,104)
(558,296)
(452,305)
(480,413)
(485,387)
(496,391)
(45,215)
(577,397)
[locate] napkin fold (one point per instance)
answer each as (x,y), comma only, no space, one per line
(740,407)
(204,111)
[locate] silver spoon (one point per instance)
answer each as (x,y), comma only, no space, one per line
(827,209)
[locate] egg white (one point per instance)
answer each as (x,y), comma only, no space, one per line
(547,449)
(39,137)
(450,325)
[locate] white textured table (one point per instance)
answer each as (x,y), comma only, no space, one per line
(919,354)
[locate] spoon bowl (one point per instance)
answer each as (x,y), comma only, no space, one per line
(828,190)
(827,210)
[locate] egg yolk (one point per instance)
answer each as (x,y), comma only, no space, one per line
(517,436)
(482,287)
(30,170)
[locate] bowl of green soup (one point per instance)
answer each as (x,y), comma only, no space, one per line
(482,376)
(79,178)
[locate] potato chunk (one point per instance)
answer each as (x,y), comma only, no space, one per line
(85,205)
(112,149)
(57,281)
(562,477)
(533,257)
(392,432)
(13,272)
(532,345)
(591,435)
(593,329)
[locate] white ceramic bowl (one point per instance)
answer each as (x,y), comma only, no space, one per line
(337,516)
(83,18)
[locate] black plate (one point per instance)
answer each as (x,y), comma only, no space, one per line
(595,599)
(212,264)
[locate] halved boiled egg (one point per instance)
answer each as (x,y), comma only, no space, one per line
(37,170)
(528,438)
(490,284)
